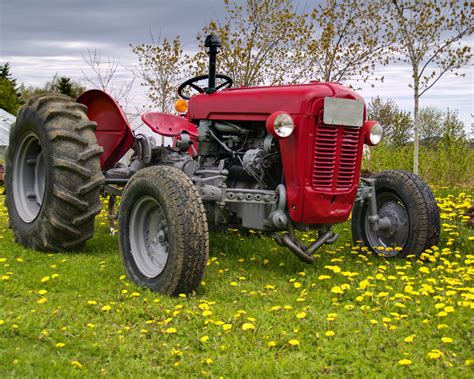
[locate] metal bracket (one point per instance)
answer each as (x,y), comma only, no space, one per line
(304,253)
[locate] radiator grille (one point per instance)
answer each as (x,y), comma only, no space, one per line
(335,157)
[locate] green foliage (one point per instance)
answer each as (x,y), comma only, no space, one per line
(448,162)
(8,96)
(63,85)
(397,123)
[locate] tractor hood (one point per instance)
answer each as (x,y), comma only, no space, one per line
(257,103)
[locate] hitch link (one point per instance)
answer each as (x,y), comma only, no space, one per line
(290,241)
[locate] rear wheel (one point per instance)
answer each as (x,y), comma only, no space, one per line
(163,231)
(409,209)
(53,174)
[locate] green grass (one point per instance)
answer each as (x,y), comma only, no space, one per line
(249,281)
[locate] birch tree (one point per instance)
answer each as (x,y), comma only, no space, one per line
(348,42)
(429,37)
(262,42)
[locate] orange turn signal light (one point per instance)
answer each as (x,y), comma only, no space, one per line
(181,106)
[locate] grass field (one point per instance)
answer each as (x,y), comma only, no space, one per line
(260,311)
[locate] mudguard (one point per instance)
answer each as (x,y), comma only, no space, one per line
(113,131)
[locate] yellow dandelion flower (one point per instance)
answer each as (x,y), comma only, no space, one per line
(227,327)
(233,284)
(434,354)
(170,331)
(271,344)
(60,345)
(42,292)
(248,326)
(45,279)
(294,342)
(324,277)
(404,362)
(330,333)
(42,300)
(409,338)
(469,362)
(76,364)
(301,315)
(91,302)
(447,340)
(106,308)
(204,339)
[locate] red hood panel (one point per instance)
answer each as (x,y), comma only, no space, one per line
(257,103)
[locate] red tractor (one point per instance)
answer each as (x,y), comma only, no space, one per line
(275,159)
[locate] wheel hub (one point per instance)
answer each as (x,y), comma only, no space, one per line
(29,178)
(148,232)
(393,225)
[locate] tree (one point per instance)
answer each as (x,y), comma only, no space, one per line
(262,42)
(66,86)
(430,123)
(348,42)
(63,84)
(102,75)
(6,74)
(8,96)
(453,127)
(428,35)
(161,68)
(397,124)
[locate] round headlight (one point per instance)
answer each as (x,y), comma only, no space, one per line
(373,133)
(280,125)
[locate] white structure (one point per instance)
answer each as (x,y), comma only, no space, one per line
(6,121)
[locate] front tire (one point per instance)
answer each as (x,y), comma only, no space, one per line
(163,231)
(407,201)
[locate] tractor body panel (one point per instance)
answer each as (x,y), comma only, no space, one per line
(113,131)
(321,163)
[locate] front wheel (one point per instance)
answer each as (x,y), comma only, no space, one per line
(410,212)
(163,231)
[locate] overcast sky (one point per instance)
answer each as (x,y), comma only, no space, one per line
(43,37)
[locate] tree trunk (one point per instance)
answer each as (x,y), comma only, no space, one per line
(416,144)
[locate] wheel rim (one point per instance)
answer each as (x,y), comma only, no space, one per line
(395,233)
(148,233)
(29,178)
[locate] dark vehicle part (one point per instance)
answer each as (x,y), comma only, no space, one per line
(395,215)
(163,231)
(53,174)
(227,83)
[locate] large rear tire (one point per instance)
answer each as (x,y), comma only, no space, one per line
(53,174)
(163,231)
(407,201)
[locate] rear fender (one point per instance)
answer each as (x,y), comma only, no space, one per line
(113,131)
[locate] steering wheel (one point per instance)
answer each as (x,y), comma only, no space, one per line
(228,82)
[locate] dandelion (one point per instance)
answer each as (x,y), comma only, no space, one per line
(76,364)
(233,284)
(204,339)
(2,322)
(170,331)
(409,338)
(207,361)
(337,290)
(91,302)
(434,354)
(296,285)
(42,292)
(106,308)
(227,327)
(248,326)
(330,333)
(301,315)
(60,345)
(271,344)
(45,279)
(447,340)
(324,277)
(294,342)
(42,300)
(404,362)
